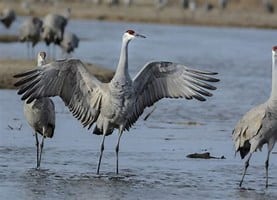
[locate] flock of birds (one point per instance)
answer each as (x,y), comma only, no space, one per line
(119,103)
(190,4)
(50,29)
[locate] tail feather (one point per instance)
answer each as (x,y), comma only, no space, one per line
(99,131)
(49,131)
(244,150)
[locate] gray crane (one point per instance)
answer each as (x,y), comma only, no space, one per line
(69,43)
(40,115)
(268,6)
(259,125)
(7,17)
(160,4)
(29,32)
(222,4)
(119,103)
(53,27)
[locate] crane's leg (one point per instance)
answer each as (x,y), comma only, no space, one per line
(37,145)
(266,169)
(270,147)
(41,144)
(245,168)
(33,52)
(101,150)
(54,51)
(28,50)
(49,51)
(117,147)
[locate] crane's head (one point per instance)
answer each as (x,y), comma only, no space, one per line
(41,58)
(131,34)
(274,51)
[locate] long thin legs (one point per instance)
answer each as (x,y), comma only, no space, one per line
(266,168)
(41,147)
(37,145)
(245,168)
(101,151)
(117,149)
(270,147)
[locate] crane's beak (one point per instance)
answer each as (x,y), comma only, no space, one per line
(140,36)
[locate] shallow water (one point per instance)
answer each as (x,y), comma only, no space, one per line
(153,162)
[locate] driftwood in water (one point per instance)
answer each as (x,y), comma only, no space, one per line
(205,155)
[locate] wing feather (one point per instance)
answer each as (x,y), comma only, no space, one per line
(157,80)
(70,80)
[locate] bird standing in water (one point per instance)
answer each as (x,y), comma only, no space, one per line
(119,103)
(40,115)
(259,125)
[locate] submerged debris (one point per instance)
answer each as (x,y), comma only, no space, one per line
(205,155)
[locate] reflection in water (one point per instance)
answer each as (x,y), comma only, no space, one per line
(50,185)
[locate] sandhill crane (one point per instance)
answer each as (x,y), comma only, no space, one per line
(40,115)
(113,2)
(160,4)
(30,31)
(222,4)
(7,17)
(69,43)
(208,6)
(185,4)
(192,5)
(53,27)
(128,2)
(119,103)
(259,125)
(268,5)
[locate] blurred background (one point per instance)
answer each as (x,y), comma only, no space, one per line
(258,13)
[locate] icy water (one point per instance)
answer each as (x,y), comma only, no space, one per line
(153,162)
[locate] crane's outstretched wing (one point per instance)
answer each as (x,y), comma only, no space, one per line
(157,80)
(70,80)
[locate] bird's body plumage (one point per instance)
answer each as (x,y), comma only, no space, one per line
(7,17)
(30,30)
(255,129)
(119,103)
(69,42)
(40,115)
(54,26)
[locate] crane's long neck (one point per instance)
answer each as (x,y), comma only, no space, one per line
(122,68)
(273,96)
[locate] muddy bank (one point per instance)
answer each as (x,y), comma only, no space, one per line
(8,68)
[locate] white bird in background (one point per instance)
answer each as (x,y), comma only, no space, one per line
(119,103)
(40,115)
(259,125)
